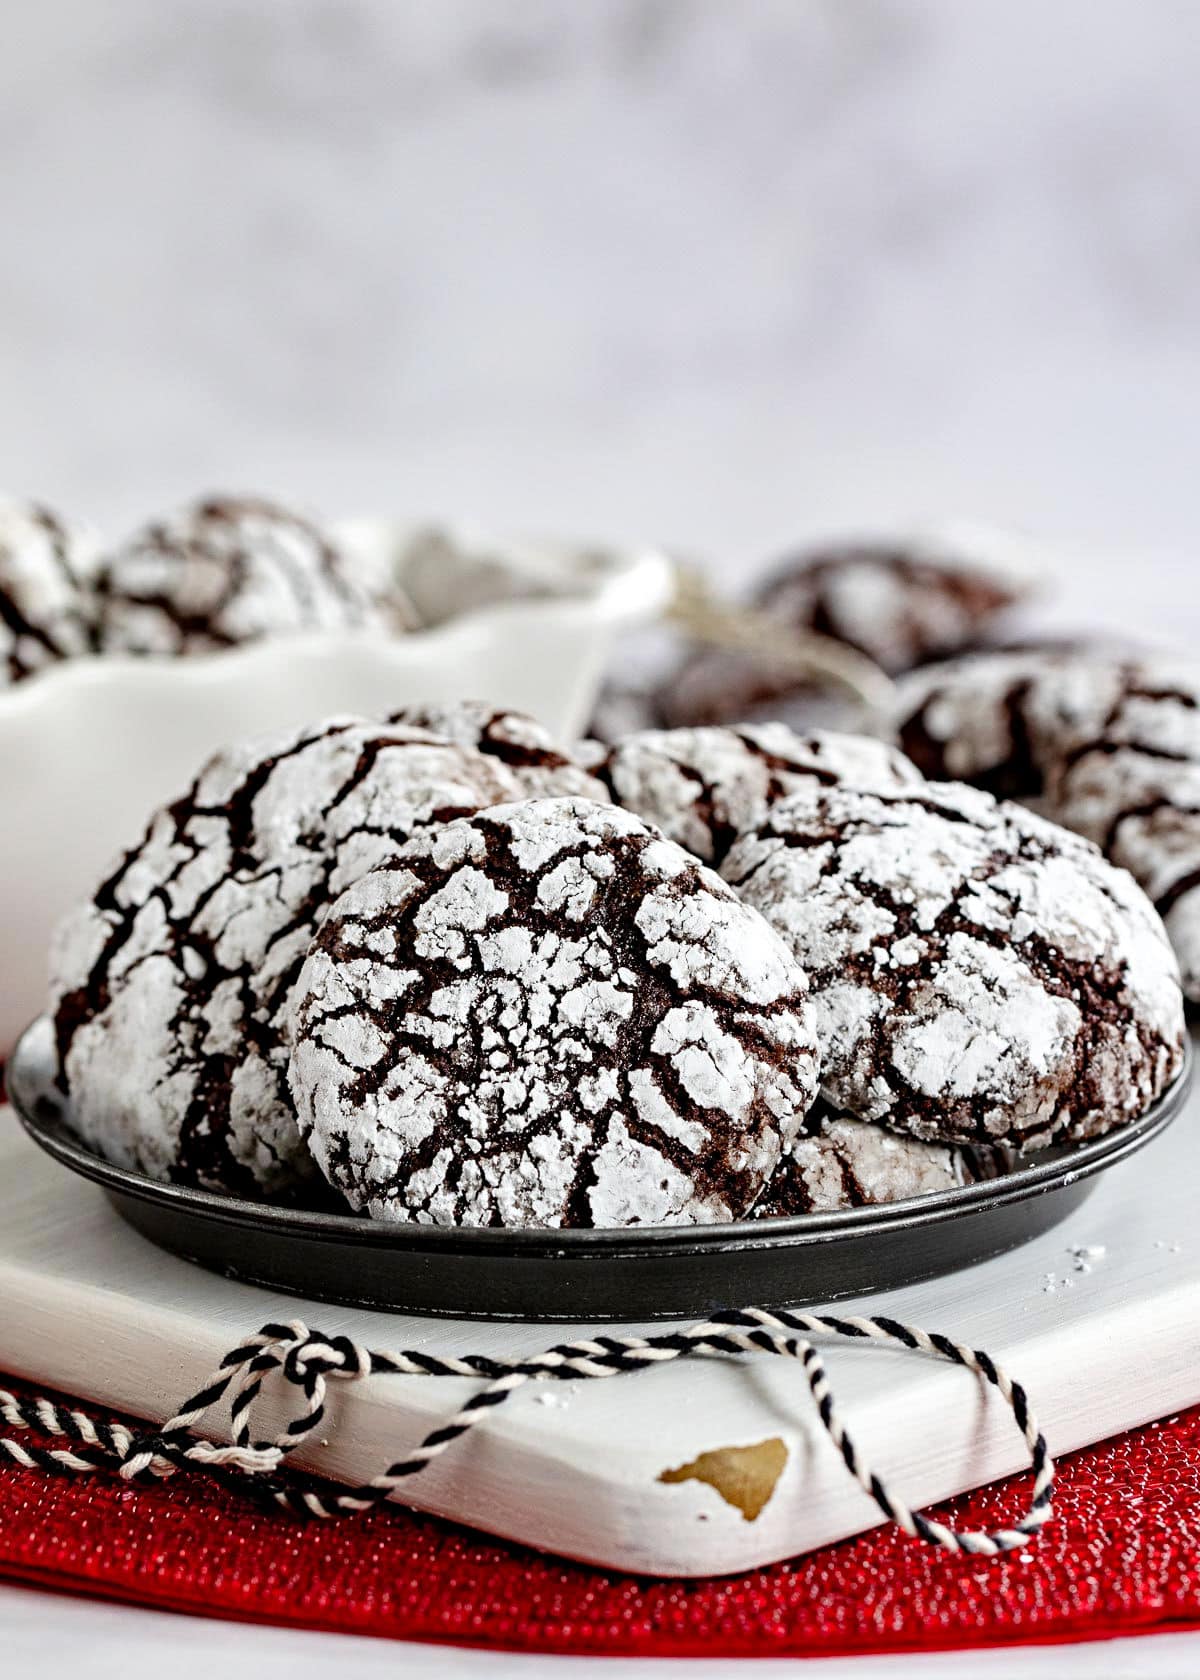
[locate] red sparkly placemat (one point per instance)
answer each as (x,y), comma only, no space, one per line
(1119,1558)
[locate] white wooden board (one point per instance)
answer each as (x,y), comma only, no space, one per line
(92,1308)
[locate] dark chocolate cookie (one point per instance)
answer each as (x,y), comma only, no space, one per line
(226,571)
(718,685)
(704,787)
(169,987)
(45,575)
(901,602)
(977,973)
(548,1014)
(839,1162)
(1109,747)
(523,746)
(991,719)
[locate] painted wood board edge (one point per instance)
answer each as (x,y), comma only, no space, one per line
(617,1514)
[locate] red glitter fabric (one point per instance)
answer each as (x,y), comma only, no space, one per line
(1120,1557)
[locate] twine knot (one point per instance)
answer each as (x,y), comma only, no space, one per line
(310,1356)
(305,1360)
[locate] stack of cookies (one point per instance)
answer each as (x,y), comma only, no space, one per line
(219,573)
(437,969)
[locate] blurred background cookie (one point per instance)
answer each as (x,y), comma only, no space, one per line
(46,566)
(228,570)
(890,603)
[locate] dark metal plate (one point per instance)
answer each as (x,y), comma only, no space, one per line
(650,1272)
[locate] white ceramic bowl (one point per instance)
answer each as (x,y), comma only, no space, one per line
(88,748)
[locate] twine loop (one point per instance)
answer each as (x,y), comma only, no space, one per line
(305,1361)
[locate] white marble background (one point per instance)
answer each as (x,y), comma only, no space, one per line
(718,274)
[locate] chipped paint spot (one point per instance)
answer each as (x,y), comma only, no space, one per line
(745,1477)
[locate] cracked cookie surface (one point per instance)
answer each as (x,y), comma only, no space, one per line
(548,1014)
(170,986)
(977,973)
(523,745)
(840,1162)
(900,602)
(1109,747)
(222,572)
(705,787)
(45,570)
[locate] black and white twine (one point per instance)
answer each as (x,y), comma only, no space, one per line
(307,1361)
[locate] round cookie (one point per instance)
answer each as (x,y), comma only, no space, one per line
(901,602)
(226,571)
(45,569)
(1107,746)
(720,685)
(170,986)
(547,1014)
(704,787)
(1129,779)
(446,573)
(523,745)
(996,720)
(839,1162)
(977,973)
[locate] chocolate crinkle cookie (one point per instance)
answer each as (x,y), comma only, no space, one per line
(900,601)
(837,1162)
(170,986)
(522,744)
(997,720)
(977,973)
(718,685)
(705,787)
(1107,746)
(45,573)
(225,571)
(548,1014)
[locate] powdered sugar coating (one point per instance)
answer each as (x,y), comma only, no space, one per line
(525,746)
(226,571)
(704,787)
(547,1014)
(977,973)
(839,1162)
(998,720)
(1109,747)
(170,987)
(901,601)
(45,570)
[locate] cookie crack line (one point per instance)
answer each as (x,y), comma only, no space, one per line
(219,900)
(635,1065)
(516,1074)
(45,611)
(619,897)
(1112,740)
(900,990)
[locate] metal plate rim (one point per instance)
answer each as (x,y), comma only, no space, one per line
(52,1134)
